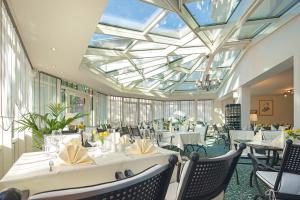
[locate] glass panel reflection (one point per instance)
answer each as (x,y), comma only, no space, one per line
(131,14)
(172,26)
(211,12)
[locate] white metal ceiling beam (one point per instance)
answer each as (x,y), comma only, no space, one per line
(222,26)
(230,29)
(188,19)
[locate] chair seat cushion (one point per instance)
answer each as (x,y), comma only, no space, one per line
(172,193)
(290,183)
(267,177)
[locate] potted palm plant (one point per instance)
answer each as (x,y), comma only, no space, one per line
(41,125)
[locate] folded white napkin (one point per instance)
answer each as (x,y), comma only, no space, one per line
(258,137)
(278,141)
(141,146)
(74,153)
(124,139)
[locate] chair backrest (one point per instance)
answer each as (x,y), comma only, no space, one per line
(207,178)
(125,130)
(270,135)
(289,170)
(136,131)
(11,194)
(202,130)
(152,184)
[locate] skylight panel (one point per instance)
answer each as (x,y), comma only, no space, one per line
(212,12)
(225,58)
(147,83)
(189,65)
(187,86)
(248,31)
(177,76)
(172,26)
(272,8)
(195,76)
(129,14)
(165,85)
(143,45)
(109,42)
(115,66)
(151,62)
(156,71)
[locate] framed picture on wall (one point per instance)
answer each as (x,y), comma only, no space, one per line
(266,107)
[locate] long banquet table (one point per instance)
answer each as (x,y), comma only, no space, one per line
(31,170)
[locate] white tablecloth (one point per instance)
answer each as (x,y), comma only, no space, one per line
(184,137)
(31,171)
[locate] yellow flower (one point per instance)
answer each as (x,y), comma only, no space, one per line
(94,132)
(103,134)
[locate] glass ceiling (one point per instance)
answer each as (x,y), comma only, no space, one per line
(140,45)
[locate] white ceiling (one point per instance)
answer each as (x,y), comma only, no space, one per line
(274,85)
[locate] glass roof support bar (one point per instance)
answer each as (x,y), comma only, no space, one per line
(135,35)
(231,30)
(250,8)
(158,17)
(188,19)
(223,26)
(194,68)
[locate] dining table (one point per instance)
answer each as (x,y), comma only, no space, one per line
(182,138)
(33,171)
(263,146)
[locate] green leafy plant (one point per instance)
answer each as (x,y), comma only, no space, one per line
(41,125)
(293,134)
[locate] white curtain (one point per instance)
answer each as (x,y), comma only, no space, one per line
(145,110)
(130,111)
(16,93)
(158,111)
(114,108)
(45,92)
(99,108)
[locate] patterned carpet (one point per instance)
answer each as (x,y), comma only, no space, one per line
(234,191)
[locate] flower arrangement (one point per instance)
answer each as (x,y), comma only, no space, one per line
(100,136)
(292,134)
(80,126)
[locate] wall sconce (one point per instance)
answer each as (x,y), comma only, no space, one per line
(288,92)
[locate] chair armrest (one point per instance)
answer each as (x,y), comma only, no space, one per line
(257,165)
(128,173)
(119,175)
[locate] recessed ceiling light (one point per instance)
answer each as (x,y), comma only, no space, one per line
(53,49)
(53,66)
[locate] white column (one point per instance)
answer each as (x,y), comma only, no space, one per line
(297,90)
(244,99)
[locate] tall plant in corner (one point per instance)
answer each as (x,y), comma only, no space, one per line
(41,125)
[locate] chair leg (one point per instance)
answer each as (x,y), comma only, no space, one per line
(261,193)
(237,177)
(251,179)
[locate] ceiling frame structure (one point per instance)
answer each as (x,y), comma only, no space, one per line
(186,57)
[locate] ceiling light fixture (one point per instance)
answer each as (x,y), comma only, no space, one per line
(208,84)
(53,49)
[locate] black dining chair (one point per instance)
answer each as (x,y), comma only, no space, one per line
(14,194)
(151,184)
(135,131)
(205,179)
(283,183)
(125,130)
